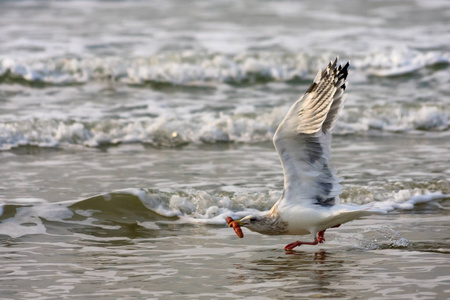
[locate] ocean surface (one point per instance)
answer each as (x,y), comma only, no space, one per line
(129,130)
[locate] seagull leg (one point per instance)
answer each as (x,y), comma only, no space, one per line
(321,237)
(298,243)
(321,234)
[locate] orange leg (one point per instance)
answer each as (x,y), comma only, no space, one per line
(321,236)
(319,239)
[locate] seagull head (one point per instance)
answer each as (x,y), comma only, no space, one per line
(264,224)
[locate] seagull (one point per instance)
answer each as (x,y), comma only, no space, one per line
(309,203)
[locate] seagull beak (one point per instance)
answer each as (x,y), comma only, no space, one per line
(236,221)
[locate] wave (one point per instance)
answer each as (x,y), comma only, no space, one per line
(249,126)
(189,68)
(150,210)
(401,61)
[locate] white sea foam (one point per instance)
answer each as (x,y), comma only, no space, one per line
(403,200)
(170,127)
(194,206)
(400,61)
(393,119)
(29,216)
(184,68)
(188,206)
(168,130)
(194,68)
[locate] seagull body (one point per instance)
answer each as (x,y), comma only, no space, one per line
(310,200)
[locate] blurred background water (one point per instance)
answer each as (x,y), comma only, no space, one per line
(130,129)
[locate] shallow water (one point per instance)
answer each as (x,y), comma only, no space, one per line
(194,261)
(130,130)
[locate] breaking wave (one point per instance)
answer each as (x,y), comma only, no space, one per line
(398,62)
(152,209)
(251,126)
(194,68)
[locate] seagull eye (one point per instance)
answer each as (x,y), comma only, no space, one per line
(252,219)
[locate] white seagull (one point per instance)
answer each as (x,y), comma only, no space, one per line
(310,200)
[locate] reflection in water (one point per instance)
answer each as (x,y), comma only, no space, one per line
(307,273)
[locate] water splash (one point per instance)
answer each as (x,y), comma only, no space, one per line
(382,237)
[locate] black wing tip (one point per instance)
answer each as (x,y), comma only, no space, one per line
(332,69)
(343,73)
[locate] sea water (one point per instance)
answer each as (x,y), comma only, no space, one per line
(129,131)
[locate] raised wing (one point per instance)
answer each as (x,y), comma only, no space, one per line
(303,140)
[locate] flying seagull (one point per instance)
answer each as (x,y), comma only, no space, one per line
(310,200)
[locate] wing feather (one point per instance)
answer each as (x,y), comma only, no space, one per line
(303,139)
